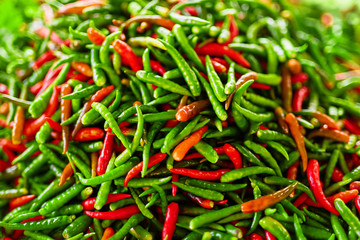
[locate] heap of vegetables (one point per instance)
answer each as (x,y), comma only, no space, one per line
(234,119)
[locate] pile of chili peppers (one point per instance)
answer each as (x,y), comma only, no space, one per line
(196,119)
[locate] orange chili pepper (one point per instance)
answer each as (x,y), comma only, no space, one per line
(19,121)
(65,114)
(19,201)
(326,119)
(109,232)
(286,89)
(95,36)
(182,102)
(298,137)
(82,68)
(183,147)
(292,172)
(280,116)
(264,202)
(67,172)
(191,110)
(332,134)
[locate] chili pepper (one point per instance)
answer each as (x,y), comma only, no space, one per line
(66,173)
(97,97)
(105,153)
(315,185)
(89,134)
(352,126)
(215,81)
(65,114)
(19,201)
(191,110)
(78,7)
(170,220)
(264,202)
(299,139)
(299,97)
(332,134)
(348,216)
(166,23)
(197,174)
(244,172)
(181,149)
(218,50)
(155,159)
(274,227)
(95,36)
(44,58)
(126,52)
(286,89)
(322,118)
(120,213)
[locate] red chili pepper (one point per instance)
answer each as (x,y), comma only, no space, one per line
(79,6)
(299,78)
(260,86)
(191,10)
(89,134)
(4,89)
(108,232)
(45,57)
(89,203)
(222,202)
(127,53)
(355,185)
(233,28)
(313,174)
(346,196)
(66,173)
(205,203)
(36,88)
(269,236)
(155,65)
(198,174)
(300,200)
(255,236)
(19,201)
(352,126)
(155,159)
(82,68)
(13,147)
(218,150)
(49,78)
(97,97)
(293,124)
(299,97)
(43,32)
(105,154)
(65,114)
(33,219)
(234,155)
(217,66)
(191,110)
(95,36)
(218,50)
(182,148)
(280,116)
(121,213)
(48,13)
(172,213)
(54,125)
(357,203)
(292,173)
(337,175)
(174,178)
(332,134)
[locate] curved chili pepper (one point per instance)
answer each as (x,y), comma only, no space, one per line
(54,125)
(108,232)
(121,213)
(292,173)
(166,23)
(89,204)
(95,36)
(280,116)
(198,174)
(337,175)
(97,97)
(106,153)
(78,7)
(332,134)
(286,89)
(269,236)
(217,66)
(66,173)
(155,159)
(234,155)
(205,203)
(313,174)
(352,126)
(299,78)
(170,221)
(346,196)
(298,137)
(264,202)
(299,97)
(127,53)
(18,128)
(65,114)
(45,57)
(357,203)
(219,50)
(43,32)
(191,110)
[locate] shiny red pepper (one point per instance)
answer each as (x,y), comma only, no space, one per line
(299,78)
(357,203)
(218,150)
(299,97)
(337,175)
(121,213)
(45,57)
(172,213)
(89,203)
(127,54)
(191,110)
(89,134)
(106,153)
(269,236)
(95,36)
(234,155)
(198,174)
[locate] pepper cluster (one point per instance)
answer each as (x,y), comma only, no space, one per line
(234,119)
